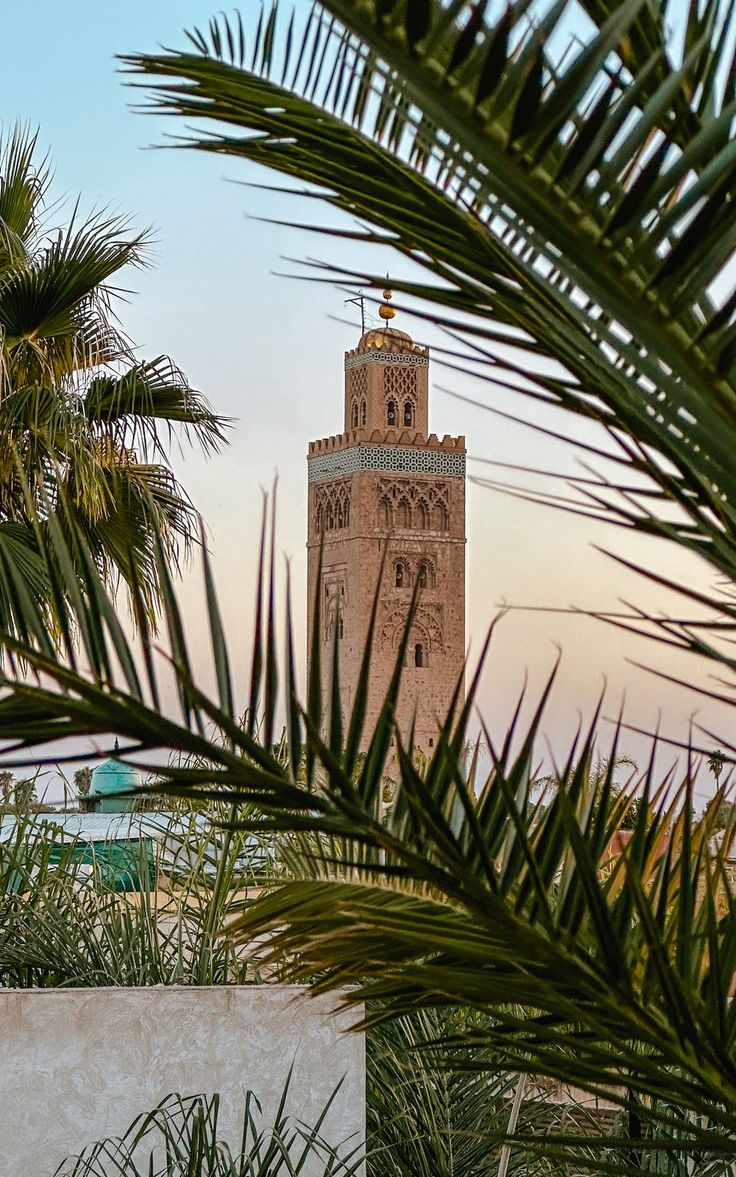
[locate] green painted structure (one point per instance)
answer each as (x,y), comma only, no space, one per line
(116,852)
(110,782)
(121,866)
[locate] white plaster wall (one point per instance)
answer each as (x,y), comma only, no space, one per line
(77,1065)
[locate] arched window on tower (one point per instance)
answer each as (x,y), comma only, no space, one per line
(404,514)
(391,413)
(408,413)
(440,520)
(330,518)
(354,418)
(422,515)
(423,575)
(384,513)
(363,412)
(419,655)
(340,627)
(346,513)
(400,575)
(339,514)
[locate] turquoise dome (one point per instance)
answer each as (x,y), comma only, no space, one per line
(109,780)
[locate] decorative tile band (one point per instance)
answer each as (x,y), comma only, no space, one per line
(392,356)
(378,457)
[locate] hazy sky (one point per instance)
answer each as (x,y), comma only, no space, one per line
(268,353)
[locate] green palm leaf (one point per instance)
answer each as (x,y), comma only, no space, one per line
(431,1121)
(577,206)
(52,311)
(128,407)
(611,970)
(183,1135)
(23,578)
(23,185)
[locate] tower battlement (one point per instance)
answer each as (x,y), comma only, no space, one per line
(342,441)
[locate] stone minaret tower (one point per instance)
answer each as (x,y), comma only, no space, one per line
(387,488)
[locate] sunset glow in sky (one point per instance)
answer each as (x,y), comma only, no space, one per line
(267,352)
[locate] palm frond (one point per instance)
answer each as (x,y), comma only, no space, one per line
(467,893)
(575,206)
(131,516)
(131,407)
(23,185)
(434,1121)
(23,577)
(49,311)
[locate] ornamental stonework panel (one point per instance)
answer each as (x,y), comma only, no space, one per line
(427,625)
(370,457)
(334,601)
(386,357)
(359,383)
(408,505)
(358,398)
(332,507)
(399,382)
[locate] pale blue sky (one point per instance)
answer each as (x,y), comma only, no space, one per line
(266,352)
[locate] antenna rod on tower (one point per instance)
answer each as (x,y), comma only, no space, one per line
(359,300)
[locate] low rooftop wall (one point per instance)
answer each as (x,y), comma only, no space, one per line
(78,1065)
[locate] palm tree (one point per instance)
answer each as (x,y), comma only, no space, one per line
(575,216)
(79,412)
(716,762)
(606,969)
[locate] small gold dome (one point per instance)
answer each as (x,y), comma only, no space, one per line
(379,338)
(385,311)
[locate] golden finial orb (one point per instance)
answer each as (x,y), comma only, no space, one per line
(385,311)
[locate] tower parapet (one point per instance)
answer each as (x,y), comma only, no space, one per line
(341,441)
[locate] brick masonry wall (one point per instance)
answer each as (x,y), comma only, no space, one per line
(405,517)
